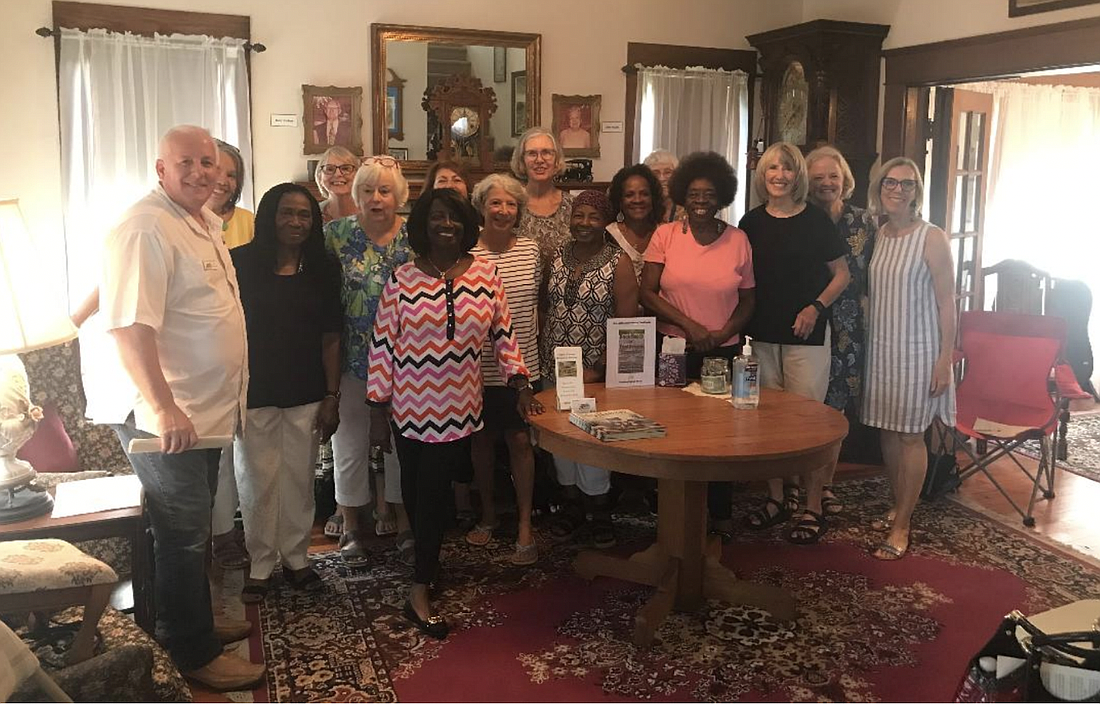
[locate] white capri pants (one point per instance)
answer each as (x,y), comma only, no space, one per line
(351,448)
(590,480)
(274,460)
(798,369)
(225,499)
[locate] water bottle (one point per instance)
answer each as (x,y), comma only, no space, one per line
(746,379)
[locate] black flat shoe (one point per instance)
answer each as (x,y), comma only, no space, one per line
(435,626)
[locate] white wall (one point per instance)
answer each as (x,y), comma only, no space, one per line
(581,53)
(922,21)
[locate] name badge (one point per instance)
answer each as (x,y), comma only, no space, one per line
(209,265)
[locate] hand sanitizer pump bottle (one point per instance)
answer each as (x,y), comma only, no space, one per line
(746,379)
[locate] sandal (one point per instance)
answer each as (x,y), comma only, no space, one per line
(830,505)
(886,551)
(352,551)
(385,525)
(254,590)
(566,523)
(525,555)
(306,579)
(334,526)
(228,550)
(480,535)
(723,529)
(792,497)
(763,519)
(406,548)
(603,533)
(884,524)
(810,527)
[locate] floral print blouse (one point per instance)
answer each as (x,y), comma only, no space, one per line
(549,231)
(366,268)
(858,229)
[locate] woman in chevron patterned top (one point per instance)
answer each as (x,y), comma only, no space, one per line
(425,372)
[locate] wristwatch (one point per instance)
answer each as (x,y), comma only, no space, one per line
(819,306)
(523,383)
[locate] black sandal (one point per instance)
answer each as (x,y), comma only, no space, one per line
(763,519)
(792,497)
(306,580)
(830,504)
(810,527)
(567,522)
(254,591)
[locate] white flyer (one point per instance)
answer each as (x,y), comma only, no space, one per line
(569,373)
(100,494)
(631,352)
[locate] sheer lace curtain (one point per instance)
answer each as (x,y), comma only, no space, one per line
(1038,132)
(693,109)
(118,94)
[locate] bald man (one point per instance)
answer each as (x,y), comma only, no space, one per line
(170,301)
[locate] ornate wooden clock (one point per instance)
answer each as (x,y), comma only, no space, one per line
(820,85)
(462,108)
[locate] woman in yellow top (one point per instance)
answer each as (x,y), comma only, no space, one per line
(237,223)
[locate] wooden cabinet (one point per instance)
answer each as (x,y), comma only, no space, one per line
(820,85)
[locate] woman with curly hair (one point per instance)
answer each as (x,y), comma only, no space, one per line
(635,195)
(698,280)
(801,269)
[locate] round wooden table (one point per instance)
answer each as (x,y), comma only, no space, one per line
(707,440)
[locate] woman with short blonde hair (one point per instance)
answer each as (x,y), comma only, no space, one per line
(662,163)
(333,176)
(537,159)
(801,268)
(909,378)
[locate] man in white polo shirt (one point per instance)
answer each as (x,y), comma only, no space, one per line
(169,299)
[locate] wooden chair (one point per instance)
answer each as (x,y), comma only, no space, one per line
(49,574)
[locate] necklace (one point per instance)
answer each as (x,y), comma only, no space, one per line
(440,272)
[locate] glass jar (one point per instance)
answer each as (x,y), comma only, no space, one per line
(715,375)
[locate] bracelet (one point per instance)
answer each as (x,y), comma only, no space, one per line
(524,383)
(819,306)
(333,395)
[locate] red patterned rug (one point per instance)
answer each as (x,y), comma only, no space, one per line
(867,631)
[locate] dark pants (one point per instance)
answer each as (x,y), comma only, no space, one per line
(719,494)
(426,473)
(179,492)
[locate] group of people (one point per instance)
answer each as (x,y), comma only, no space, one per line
(417,344)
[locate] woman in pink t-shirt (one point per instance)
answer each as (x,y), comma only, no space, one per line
(698,280)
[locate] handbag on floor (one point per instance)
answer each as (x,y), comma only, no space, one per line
(1045,668)
(942,475)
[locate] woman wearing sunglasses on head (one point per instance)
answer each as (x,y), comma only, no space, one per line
(370,245)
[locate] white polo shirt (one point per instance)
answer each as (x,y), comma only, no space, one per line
(171,272)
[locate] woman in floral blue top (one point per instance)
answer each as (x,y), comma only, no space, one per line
(831,184)
(369,245)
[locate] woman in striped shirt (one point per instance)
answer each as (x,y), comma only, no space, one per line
(500,200)
(425,374)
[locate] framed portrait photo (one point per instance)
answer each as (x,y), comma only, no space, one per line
(576,124)
(399,153)
(332,116)
(519,102)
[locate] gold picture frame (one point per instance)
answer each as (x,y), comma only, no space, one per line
(576,124)
(319,105)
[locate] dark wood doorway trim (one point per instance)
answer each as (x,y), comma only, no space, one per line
(679,57)
(911,70)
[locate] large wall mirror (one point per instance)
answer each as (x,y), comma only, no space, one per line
(410,64)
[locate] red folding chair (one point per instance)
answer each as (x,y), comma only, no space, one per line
(1004,397)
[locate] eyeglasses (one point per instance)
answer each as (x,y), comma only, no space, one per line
(890,183)
(383,160)
(546,154)
(345,169)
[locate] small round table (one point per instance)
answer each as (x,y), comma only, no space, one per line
(707,440)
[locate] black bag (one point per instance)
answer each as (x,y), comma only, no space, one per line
(942,475)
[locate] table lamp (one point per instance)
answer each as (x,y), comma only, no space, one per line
(33,315)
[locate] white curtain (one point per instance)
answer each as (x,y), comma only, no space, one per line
(1033,211)
(118,94)
(693,109)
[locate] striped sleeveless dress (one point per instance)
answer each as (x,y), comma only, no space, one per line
(903,339)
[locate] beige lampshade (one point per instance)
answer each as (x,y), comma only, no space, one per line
(33,308)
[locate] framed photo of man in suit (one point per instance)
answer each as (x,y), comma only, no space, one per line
(332,116)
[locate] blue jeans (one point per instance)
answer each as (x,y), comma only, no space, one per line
(179,492)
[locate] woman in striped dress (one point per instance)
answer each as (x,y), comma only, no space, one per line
(910,339)
(425,372)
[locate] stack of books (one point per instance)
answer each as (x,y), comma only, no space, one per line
(617,425)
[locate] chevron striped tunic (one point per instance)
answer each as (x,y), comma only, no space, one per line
(425,352)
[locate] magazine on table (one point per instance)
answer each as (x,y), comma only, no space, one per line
(617,425)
